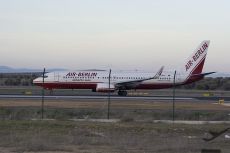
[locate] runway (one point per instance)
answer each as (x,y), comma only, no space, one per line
(93,97)
(104,97)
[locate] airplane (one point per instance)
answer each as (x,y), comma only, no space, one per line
(121,81)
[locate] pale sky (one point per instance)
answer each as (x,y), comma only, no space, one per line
(117,34)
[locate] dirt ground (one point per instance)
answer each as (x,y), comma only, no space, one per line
(119,104)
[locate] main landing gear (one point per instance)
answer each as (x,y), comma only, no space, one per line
(122,93)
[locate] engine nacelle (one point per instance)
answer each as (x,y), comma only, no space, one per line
(104,87)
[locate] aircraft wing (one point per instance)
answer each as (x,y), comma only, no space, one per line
(134,83)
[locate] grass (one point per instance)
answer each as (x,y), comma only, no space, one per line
(126,115)
(124,137)
(32,136)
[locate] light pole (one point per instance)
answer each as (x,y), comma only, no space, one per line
(108,112)
(43,90)
(174,82)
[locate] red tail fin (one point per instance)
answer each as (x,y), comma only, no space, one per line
(195,63)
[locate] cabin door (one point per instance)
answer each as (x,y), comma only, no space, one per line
(56,76)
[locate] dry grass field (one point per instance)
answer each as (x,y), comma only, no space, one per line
(121,137)
(120,109)
(22,131)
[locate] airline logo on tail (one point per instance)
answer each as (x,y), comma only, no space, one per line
(198,54)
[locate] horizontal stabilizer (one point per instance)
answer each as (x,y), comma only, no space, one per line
(203,74)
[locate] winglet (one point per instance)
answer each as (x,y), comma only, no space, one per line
(158,74)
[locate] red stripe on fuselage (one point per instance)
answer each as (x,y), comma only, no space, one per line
(70,85)
(64,85)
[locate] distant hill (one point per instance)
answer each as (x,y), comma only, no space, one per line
(7,69)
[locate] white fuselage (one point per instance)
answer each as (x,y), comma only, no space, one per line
(93,79)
